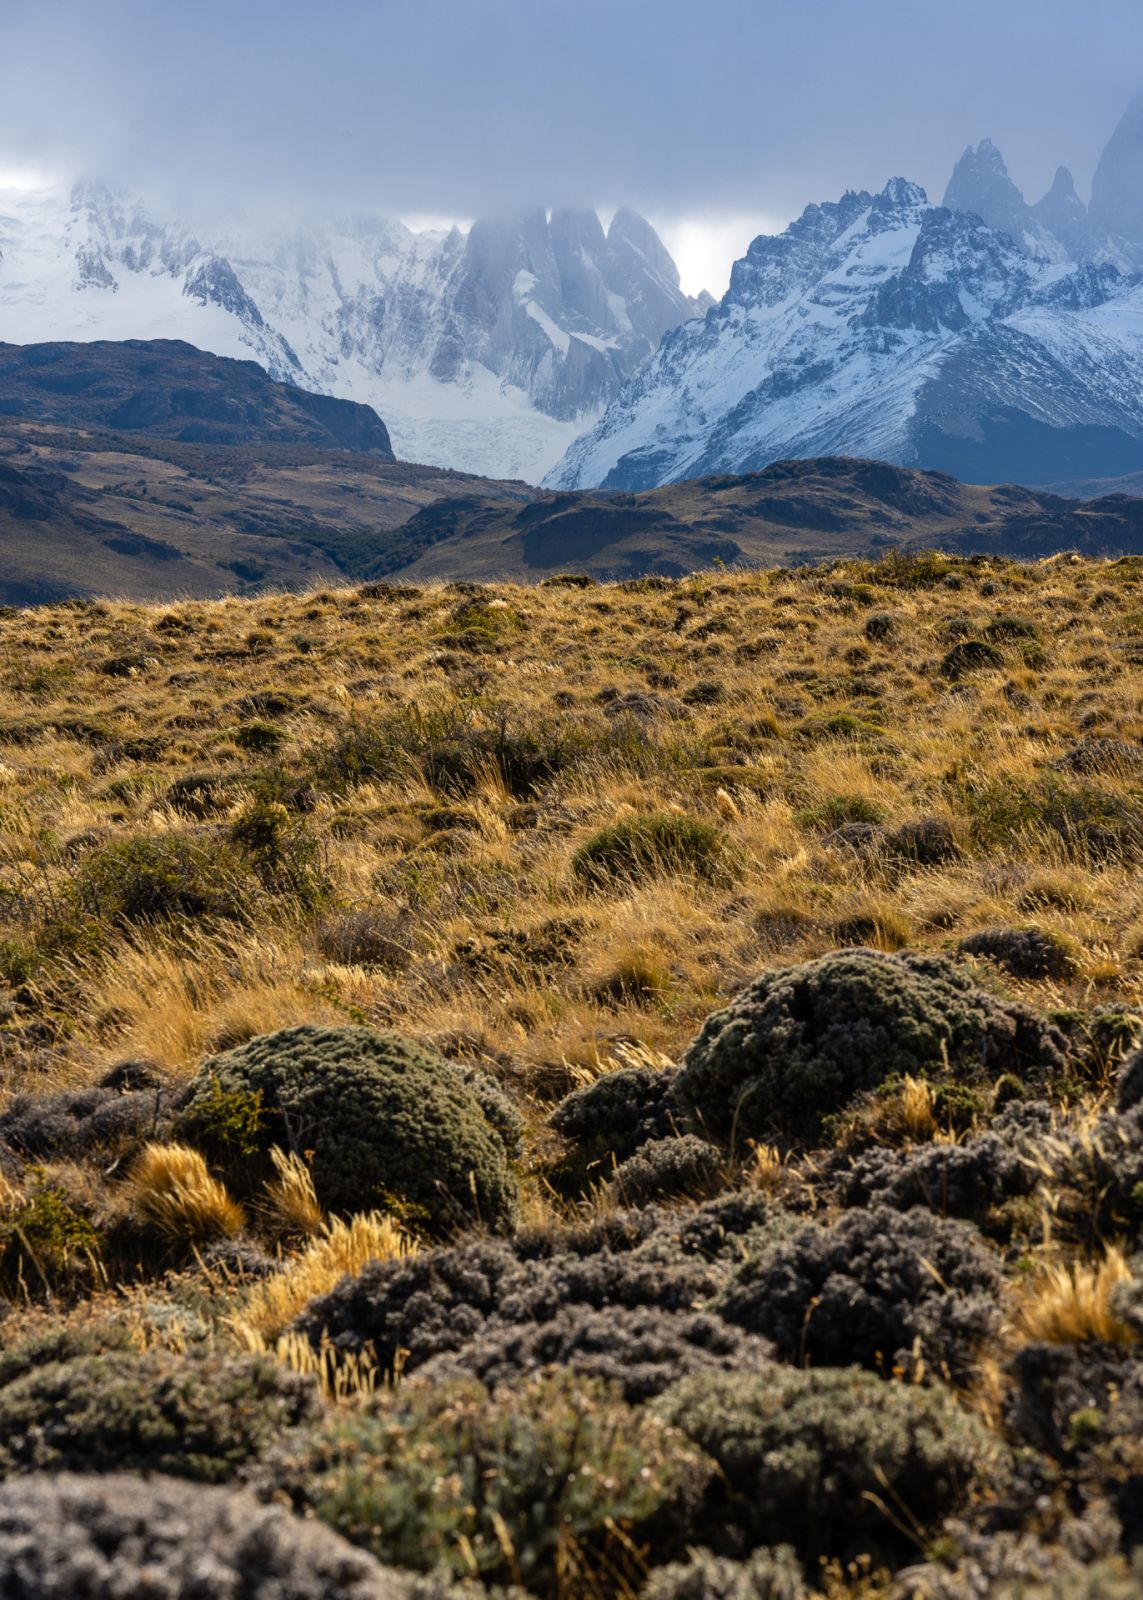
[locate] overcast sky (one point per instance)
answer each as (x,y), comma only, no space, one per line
(709,117)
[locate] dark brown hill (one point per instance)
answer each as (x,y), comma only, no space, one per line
(791,513)
(169,390)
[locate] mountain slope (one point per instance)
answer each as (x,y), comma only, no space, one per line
(169,390)
(793,512)
(884,326)
(485,351)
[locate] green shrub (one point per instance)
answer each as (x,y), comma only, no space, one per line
(499,1485)
(1092,824)
(45,1242)
(157,877)
(825,1460)
(802,1042)
(18,961)
(379,1116)
(281,851)
(837,810)
(841,725)
(263,738)
(971,655)
(365,752)
(118,1410)
(640,847)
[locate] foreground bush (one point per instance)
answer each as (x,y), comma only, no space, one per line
(118,1410)
(500,1485)
(877,1289)
(803,1042)
(495,1309)
(127,1538)
(607,1121)
(823,1460)
(382,1118)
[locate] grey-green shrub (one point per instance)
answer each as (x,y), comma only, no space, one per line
(119,1410)
(765,1575)
(877,1289)
(800,1043)
(431,1476)
(383,1119)
(124,1537)
(811,1457)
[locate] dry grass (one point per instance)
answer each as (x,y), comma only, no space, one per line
(486,921)
(291,1200)
(1071,1303)
(173,1191)
(343,1247)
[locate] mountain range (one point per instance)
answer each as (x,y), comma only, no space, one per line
(152,470)
(486,350)
(984,337)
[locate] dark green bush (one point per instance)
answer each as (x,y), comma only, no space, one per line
(440,1301)
(1024,952)
(802,1042)
(665,1168)
(118,1410)
(498,1484)
(383,1118)
(877,1289)
(1092,824)
(640,1350)
(826,1460)
(263,738)
(157,877)
(281,851)
(971,655)
(362,753)
(838,810)
(640,847)
(608,1120)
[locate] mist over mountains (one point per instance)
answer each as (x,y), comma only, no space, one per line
(992,337)
(486,351)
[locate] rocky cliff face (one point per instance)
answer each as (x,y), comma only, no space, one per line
(486,351)
(883,326)
(1060,227)
(980,184)
(1117,188)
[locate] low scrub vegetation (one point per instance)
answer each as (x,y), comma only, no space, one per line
(594,1092)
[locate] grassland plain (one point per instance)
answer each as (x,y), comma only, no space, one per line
(833,1293)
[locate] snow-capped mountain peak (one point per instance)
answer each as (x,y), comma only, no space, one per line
(486,350)
(883,326)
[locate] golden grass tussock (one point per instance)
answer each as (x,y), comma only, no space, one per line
(342,1247)
(291,1201)
(174,1192)
(1072,1302)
